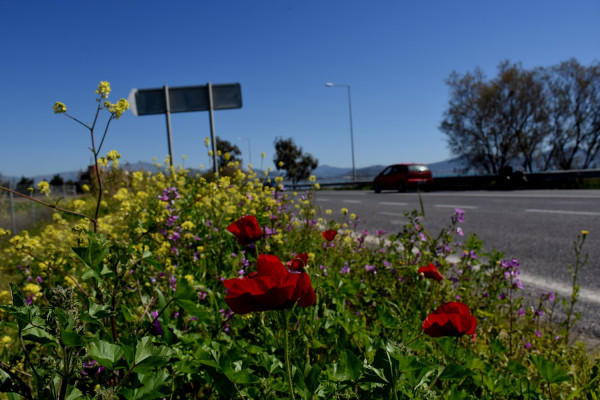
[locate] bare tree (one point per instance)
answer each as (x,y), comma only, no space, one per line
(574,105)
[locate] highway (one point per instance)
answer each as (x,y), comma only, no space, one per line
(538,227)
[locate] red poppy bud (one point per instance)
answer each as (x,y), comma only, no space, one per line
(272,287)
(450,319)
(246,229)
(431,272)
(298,263)
(329,235)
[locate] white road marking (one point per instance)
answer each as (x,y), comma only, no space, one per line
(391,203)
(392,214)
(585,295)
(455,206)
(322,199)
(352,201)
(535,210)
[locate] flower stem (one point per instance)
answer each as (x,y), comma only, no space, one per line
(287,356)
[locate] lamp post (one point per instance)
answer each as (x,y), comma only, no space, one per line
(249,148)
(329,84)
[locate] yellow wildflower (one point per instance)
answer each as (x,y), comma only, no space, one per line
(4,232)
(352,216)
(103,89)
(344,211)
(584,233)
(312,178)
(59,108)
(6,340)
(118,108)
(113,155)
(44,188)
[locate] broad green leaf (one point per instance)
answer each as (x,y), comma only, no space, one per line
(18,299)
(148,355)
(107,354)
(71,338)
(39,336)
(549,370)
(455,372)
(75,394)
(94,254)
(185,292)
(387,318)
(349,368)
(151,385)
(244,376)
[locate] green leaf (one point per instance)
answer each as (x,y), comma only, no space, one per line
(107,354)
(549,370)
(39,336)
(75,394)
(71,338)
(147,355)
(387,318)
(455,372)
(151,385)
(244,376)
(185,292)
(349,368)
(18,299)
(94,254)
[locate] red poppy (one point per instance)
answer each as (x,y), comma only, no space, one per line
(298,263)
(272,287)
(246,229)
(329,235)
(430,271)
(450,319)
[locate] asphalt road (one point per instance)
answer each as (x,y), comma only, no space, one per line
(538,227)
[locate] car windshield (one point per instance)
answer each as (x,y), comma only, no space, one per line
(418,168)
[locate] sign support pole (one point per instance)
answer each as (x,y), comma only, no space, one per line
(213,137)
(168,115)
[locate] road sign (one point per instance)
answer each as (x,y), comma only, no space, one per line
(185,99)
(168,100)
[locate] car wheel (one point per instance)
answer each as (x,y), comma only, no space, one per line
(376,188)
(401,187)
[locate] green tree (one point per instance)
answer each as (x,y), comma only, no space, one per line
(290,158)
(57,180)
(24,184)
(225,146)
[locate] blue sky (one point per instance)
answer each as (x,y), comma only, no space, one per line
(395,55)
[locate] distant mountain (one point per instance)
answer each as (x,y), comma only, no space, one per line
(450,167)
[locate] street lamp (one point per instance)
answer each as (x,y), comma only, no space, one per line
(329,84)
(249,149)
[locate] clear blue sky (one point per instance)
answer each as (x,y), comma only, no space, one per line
(395,55)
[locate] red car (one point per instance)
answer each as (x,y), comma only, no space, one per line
(403,176)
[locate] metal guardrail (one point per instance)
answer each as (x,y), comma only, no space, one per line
(548,179)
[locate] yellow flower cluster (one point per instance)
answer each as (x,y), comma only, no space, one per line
(103,89)
(44,188)
(118,108)
(59,108)
(5,341)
